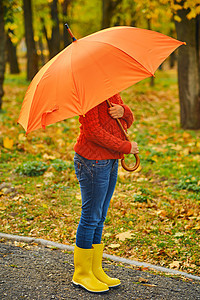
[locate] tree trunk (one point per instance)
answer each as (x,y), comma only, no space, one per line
(66,37)
(2,51)
(41,47)
(12,56)
(32,57)
(108,9)
(188,71)
(172,60)
(198,43)
(152,81)
(54,42)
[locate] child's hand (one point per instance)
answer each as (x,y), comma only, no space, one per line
(134,148)
(116,111)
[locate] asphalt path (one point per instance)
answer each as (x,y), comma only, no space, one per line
(36,272)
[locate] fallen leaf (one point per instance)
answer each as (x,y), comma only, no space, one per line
(78,196)
(142,280)
(175,265)
(186,135)
(148,284)
(108,234)
(179,234)
(114,246)
(8,143)
(44,205)
(40,146)
(47,156)
(21,137)
(162,213)
(48,175)
(196,227)
(125,235)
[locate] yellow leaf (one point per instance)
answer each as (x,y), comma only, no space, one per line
(47,156)
(190,212)
(48,175)
(148,284)
(196,227)
(114,246)
(177,18)
(154,158)
(40,146)
(108,234)
(191,15)
(188,226)
(185,152)
(7,143)
(179,234)
(78,196)
(186,135)
(196,157)
(60,142)
(162,213)
(44,205)
(197,10)
(21,137)
(2,207)
(175,265)
(177,147)
(177,7)
(125,235)
(143,280)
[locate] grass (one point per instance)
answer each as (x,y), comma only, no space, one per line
(158,206)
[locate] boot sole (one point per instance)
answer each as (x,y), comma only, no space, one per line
(114,286)
(79,284)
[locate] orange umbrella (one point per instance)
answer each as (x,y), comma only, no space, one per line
(91,70)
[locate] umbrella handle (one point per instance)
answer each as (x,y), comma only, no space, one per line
(135,167)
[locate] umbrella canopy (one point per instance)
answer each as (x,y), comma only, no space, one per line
(90,70)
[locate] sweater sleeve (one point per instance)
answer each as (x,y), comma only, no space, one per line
(95,133)
(128,115)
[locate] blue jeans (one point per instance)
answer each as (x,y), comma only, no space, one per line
(97,179)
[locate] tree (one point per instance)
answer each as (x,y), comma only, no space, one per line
(54,41)
(108,9)
(65,8)
(11,54)
(32,57)
(188,29)
(2,49)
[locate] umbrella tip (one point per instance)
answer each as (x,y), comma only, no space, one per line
(70,32)
(67,26)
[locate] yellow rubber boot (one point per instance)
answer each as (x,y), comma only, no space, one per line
(97,267)
(83,274)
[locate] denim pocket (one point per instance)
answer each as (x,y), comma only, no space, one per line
(83,167)
(102,162)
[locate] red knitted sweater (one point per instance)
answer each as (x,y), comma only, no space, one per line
(100,135)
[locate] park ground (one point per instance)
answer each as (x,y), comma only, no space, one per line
(154,215)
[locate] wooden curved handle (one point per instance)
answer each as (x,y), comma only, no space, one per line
(135,167)
(137,163)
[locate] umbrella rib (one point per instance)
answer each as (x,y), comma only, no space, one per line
(73,73)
